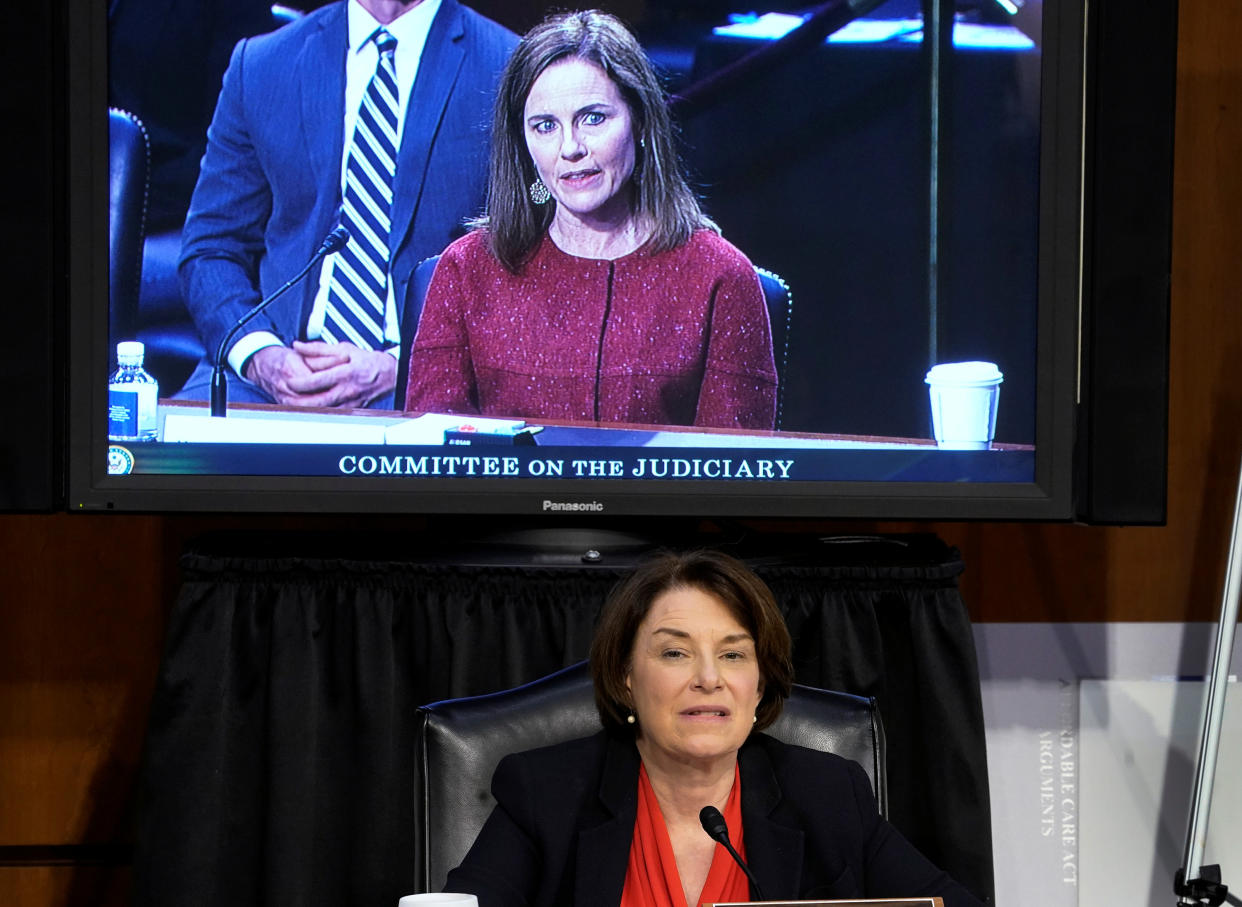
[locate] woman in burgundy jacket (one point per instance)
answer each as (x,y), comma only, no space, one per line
(594,289)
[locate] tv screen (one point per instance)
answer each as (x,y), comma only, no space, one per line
(907,188)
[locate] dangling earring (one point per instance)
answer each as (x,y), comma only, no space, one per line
(539,193)
(631,719)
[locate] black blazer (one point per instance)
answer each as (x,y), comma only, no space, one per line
(564,818)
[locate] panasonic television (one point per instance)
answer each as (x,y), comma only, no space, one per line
(930,181)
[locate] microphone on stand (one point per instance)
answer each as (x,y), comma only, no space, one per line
(718,830)
(333,242)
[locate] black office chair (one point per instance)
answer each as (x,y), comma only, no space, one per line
(174,347)
(776,294)
(779,298)
(459,742)
(129,173)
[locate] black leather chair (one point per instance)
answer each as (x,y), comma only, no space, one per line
(129,173)
(164,325)
(779,297)
(776,294)
(416,297)
(459,742)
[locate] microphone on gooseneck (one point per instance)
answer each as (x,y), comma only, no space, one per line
(718,830)
(333,242)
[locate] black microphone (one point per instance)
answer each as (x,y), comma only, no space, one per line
(333,242)
(718,830)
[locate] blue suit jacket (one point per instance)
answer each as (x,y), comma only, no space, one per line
(561,831)
(269,187)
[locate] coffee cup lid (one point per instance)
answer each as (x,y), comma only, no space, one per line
(964,373)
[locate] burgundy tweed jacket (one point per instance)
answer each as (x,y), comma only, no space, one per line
(674,338)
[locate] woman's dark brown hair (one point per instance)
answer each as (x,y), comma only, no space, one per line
(724,578)
(661,196)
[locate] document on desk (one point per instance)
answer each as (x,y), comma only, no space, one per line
(270,427)
(274,428)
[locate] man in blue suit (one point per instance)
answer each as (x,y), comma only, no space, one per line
(271,187)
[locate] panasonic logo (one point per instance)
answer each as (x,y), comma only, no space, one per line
(573,506)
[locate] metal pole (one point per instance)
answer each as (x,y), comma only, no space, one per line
(1209,890)
(938,21)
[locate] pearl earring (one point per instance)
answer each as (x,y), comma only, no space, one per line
(630,719)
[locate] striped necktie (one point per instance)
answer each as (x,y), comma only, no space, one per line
(358,294)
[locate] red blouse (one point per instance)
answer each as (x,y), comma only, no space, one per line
(652,880)
(674,338)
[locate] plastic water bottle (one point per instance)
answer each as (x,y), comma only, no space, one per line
(132,397)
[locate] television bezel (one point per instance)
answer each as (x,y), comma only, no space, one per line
(1050,496)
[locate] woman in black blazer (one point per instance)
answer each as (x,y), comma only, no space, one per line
(690,661)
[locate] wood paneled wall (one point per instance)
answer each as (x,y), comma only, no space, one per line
(83,597)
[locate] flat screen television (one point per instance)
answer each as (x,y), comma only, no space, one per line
(925,181)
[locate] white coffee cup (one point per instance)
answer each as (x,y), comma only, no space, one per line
(441,897)
(964,397)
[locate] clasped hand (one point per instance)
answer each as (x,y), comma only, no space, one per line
(315,373)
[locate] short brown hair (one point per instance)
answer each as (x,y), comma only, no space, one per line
(724,578)
(515,225)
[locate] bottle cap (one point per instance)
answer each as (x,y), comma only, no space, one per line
(129,352)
